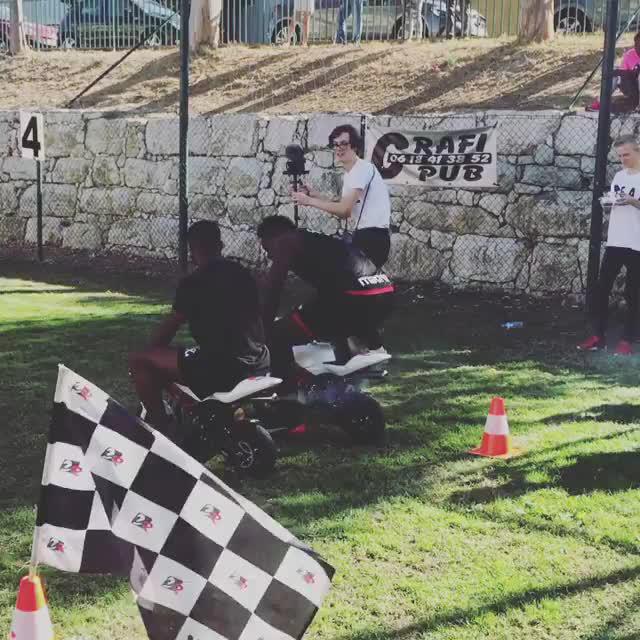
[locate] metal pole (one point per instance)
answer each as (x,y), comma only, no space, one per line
(602,148)
(185,8)
(39,208)
(296,213)
(113,24)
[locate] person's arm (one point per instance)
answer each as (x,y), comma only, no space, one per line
(306,188)
(625,199)
(341,209)
(166,331)
(286,251)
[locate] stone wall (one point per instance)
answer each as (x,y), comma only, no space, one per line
(111,184)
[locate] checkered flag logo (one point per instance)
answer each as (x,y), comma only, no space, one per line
(203,562)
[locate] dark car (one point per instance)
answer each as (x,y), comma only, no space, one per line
(102,24)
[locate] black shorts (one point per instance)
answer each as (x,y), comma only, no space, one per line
(344,315)
(374,242)
(205,375)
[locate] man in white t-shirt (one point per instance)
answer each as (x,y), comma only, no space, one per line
(623,249)
(365,197)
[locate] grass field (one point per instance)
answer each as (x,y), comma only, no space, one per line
(428,542)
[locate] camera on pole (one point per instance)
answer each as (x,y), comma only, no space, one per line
(295,169)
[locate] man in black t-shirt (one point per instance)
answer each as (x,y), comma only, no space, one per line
(219,301)
(353,297)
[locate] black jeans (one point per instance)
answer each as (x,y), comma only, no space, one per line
(374,242)
(629,85)
(614,259)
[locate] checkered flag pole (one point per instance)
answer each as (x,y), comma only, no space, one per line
(204,563)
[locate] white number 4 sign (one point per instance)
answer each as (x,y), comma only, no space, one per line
(32,136)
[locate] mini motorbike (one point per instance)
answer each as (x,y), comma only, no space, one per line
(328,393)
(219,423)
(240,423)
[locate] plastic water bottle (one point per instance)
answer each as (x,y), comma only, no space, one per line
(512,325)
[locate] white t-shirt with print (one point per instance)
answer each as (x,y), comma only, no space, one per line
(624,221)
(377,206)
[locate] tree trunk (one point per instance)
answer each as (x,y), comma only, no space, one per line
(17,41)
(204,23)
(536,21)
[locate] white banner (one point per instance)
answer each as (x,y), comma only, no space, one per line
(462,158)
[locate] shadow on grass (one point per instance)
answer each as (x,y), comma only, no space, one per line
(78,280)
(439,386)
(618,413)
(431,397)
(96,348)
(500,606)
(609,472)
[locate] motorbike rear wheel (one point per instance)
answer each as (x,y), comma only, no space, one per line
(362,418)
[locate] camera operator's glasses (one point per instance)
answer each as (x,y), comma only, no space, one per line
(341,145)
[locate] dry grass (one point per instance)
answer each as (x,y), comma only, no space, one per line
(376,78)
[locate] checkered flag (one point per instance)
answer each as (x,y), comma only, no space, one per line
(204,563)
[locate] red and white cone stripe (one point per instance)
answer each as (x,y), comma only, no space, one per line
(31,619)
(496,442)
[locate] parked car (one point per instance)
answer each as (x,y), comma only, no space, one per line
(100,24)
(381,20)
(585,16)
(37,35)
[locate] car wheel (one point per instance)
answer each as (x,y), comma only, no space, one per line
(68,42)
(153,41)
(283,34)
(398,30)
(572,21)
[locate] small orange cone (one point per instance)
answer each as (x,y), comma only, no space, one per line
(496,442)
(31,619)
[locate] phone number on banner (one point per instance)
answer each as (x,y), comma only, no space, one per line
(442,159)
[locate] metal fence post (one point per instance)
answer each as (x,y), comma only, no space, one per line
(602,149)
(185,7)
(39,209)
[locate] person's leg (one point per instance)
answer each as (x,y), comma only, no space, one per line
(635,91)
(631,286)
(151,370)
(306,22)
(286,333)
(412,22)
(215,8)
(375,243)
(610,268)
(365,317)
(357,21)
(341,36)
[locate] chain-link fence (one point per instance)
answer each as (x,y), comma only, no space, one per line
(110,186)
(104,189)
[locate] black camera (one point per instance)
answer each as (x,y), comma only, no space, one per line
(295,160)
(295,169)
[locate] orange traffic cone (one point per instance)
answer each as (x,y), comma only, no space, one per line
(495,440)
(31,619)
